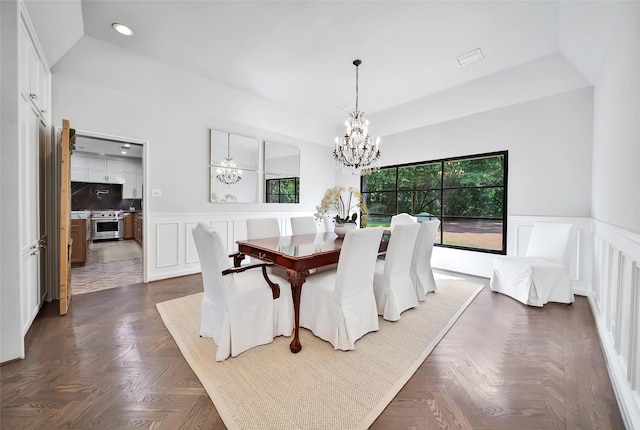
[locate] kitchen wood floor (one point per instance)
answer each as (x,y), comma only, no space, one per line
(100,273)
(110,363)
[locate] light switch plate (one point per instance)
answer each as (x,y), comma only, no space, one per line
(156,193)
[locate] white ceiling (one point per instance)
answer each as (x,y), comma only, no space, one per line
(300,53)
(108,147)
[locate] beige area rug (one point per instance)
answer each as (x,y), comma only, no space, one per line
(268,387)
(126,250)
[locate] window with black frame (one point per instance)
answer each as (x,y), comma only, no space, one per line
(467,194)
(283,190)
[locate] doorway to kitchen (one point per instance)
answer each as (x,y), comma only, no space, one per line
(107,199)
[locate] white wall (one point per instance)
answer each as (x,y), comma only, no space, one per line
(549,144)
(104,89)
(616,208)
(101,88)
(10,256)
(616,145)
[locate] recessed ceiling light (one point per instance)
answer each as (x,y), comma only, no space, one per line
(122,29)
(469,57)
(123,152)
(125,146)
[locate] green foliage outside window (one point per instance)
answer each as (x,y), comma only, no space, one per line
(467,194)
(283,190)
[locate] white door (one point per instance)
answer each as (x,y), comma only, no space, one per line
(29,214)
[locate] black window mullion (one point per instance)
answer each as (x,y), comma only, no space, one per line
(465,200)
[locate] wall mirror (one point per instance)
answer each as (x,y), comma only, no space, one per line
(233,168)
(282,173)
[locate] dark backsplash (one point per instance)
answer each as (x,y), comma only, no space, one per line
(90,196)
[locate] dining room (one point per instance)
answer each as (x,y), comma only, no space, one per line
(242,108)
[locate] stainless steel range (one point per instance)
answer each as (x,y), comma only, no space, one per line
(107,224)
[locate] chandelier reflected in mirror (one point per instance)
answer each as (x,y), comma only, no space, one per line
(228,174)
(356,153)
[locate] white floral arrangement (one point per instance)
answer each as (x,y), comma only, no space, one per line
(333,199)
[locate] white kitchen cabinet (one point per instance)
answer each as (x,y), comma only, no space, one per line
(79,168)
(114,177)
(97,164)
(34,75)
(101,170)
(96,176)
(79,175)
(115,165)
(130,166)
(27,152)
(132,187)
(30,124)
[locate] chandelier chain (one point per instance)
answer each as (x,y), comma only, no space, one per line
(357,86)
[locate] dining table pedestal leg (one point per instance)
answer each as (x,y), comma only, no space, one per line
(296,279)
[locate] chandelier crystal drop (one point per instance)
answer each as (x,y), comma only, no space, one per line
(228,174)
(356,153)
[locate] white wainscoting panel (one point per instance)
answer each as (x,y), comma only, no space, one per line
(191,251)
(615,301)
(168,244)
(175,252)
(239,232)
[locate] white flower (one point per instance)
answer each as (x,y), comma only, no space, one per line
(333,198)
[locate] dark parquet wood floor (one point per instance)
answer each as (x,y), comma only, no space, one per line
(110,363)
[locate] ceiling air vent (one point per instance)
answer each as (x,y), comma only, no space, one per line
(469,57)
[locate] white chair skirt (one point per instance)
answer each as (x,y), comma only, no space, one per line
(247,322)
(339,324)
(393,294)
(533,282)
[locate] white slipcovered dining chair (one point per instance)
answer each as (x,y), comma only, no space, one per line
(303,225)
(338,305)
(401,219)
(421,272)
(239,310)
(541,276)
(392,283)
(259,228)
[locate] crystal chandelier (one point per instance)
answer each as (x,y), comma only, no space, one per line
(356,153)
(228,174)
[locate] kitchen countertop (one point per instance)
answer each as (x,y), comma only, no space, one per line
(80,214)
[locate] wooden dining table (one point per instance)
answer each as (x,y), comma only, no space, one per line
(298,254)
